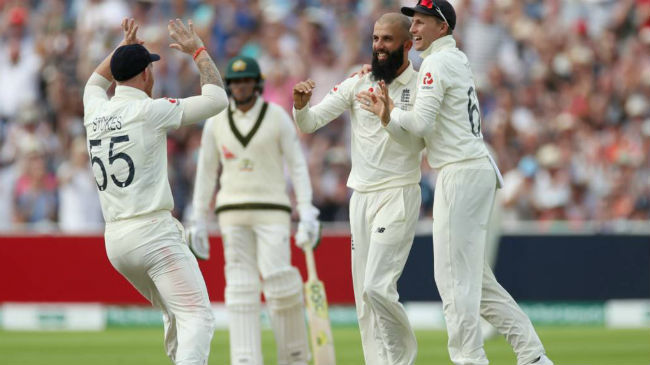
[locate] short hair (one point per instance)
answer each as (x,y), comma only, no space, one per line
(403,22)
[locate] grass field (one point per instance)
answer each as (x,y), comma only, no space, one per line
(143,346)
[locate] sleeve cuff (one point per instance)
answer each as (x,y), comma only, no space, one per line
(300,112)
(394,126)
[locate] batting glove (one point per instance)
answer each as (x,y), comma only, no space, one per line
(309,233)
(197,238)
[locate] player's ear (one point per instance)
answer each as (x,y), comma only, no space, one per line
(408,44)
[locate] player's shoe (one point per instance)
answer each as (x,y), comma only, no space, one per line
(543,360)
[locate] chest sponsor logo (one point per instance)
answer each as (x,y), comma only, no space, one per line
(246,165)
(226,153)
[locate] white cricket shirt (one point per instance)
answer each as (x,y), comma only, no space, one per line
(378,161)
(446,111)
(127,141)
(252,153)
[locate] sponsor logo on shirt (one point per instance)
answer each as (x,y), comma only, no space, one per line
(173,101)
(246,165)
(427,82)
(226,153)
(428,79)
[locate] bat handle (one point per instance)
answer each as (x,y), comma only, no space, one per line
(311,264)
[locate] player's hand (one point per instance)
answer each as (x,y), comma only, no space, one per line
(302,92)
(130,30)
(365,69)
(185,38)
(197,238)
(377,102)
(308,234)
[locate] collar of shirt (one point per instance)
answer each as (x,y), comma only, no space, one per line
(441,43)
(251,113)
(123,91)
(406,75)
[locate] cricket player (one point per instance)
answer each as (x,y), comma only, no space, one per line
(251,141)
(447,115)
(127,143)
(386,197)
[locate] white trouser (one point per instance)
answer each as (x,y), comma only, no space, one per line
(251,251)
(462,208)
(383,226)
(150,251)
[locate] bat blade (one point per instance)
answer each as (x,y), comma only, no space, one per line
(320,330)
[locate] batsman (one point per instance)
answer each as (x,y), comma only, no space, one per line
(251,141)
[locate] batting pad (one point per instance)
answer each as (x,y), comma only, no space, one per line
(243,305)
(283,293)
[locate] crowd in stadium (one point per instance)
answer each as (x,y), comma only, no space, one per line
(564,89)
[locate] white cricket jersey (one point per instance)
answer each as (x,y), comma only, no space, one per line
(127,141)
(378,161)
(252,153)
(446,112)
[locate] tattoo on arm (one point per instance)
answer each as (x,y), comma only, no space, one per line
(208,71)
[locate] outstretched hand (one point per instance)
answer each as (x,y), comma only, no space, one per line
(377,102)
(185,38)
(130,30)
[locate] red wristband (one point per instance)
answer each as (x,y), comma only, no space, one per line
(196,54)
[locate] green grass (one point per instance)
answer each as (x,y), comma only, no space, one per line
(142,346)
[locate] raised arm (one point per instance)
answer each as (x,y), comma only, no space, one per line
(102,78)
(130,30)
(213,98)
(338,100)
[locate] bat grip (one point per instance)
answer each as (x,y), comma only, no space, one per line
(311,264)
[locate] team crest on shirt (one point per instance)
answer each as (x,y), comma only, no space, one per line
(245,165)
(226,153)
(406,96)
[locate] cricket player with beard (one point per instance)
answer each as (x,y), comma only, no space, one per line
(447,115)
(251,140)
(385,203)
(127,143)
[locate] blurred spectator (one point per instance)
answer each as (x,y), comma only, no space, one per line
(79,209)
(35,193)
(19,65)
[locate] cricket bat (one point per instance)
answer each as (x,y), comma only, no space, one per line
(320,331)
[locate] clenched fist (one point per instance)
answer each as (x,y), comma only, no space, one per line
(302,93)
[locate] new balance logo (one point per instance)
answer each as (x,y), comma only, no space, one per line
(381,229)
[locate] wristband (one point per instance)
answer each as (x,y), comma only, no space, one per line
(196,54)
